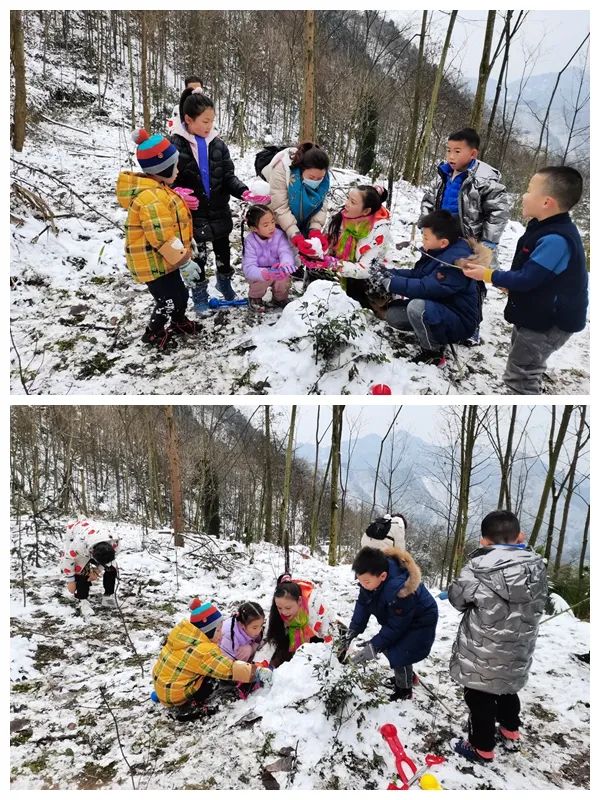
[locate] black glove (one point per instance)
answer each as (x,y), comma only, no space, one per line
(345,644)
(379,280)
(366,653)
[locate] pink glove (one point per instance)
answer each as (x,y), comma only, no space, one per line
(260,199)
(278,272)
(303,245)
(332,263)
(315,234)
(188,197)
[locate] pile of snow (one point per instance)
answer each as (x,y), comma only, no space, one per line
(326,713)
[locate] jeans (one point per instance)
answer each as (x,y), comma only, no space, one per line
(222,250)
(529,353)
(409,316)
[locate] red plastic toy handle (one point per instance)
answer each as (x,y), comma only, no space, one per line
(390,734)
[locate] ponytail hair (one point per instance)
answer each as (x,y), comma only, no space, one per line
(373,197)
(255,213)
(276,632)
(246,613)
(310,156)
(193,103)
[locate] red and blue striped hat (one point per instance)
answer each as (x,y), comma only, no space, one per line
(156,154)
(205,616)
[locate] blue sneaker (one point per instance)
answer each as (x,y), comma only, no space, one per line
(200,297)
(474,339)
(225,287)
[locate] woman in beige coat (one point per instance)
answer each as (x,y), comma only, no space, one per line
(299,181)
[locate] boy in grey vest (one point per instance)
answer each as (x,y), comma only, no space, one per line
(502,591)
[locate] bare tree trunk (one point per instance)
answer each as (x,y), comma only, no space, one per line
(284,531)
(336,442)
(381,446)
(467,446)
(552,462)
(484,73)
(580,443)
(131,70)
(414,118)
(175,472)
(268,499)
(582,554)
(504,499)
(144,68)
(432,103)
(17,57)
(309,98)
(554,90)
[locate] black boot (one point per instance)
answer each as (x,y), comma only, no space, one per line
(436,358)
(401,694)
(161,339)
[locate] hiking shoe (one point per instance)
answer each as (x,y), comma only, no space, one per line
(225,287)
(108,601)
(474,339)
(257,305)
(435,358)
(85,609)
(162,339)
(466,750)
(510,740)
(185,327)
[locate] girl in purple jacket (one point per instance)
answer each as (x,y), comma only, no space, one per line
(242,634)
(268,259)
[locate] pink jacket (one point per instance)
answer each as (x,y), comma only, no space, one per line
(260,252)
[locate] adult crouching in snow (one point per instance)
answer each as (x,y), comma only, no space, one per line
(297,616)
(206,169)
(392,591)
(88,553)
(299,181)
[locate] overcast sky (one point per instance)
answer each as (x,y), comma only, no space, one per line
(552,36)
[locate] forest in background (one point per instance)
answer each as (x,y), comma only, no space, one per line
(377,96)
(213,470)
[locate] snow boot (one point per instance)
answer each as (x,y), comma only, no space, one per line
(161,339)
(256,305)
(510,740)
(108,601)
(466,750)
(186,712)
(86,610)
(281,303)
(200,297)
(436,358)
(225,287)
(400,694)
(185,327)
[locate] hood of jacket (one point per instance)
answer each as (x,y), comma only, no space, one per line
(404,572)
(185,634)
(180,129)
(130,184)
(505,571)
(478,169)
(285,158)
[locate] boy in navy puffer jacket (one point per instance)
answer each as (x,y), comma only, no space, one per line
(391,590)
(438,301)
(547,283)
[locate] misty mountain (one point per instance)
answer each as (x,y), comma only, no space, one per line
(420,479)
(534,102)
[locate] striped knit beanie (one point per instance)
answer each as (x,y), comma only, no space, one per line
(205,616)
(156,154)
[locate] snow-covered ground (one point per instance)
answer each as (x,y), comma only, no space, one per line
(77,317)
(63,736)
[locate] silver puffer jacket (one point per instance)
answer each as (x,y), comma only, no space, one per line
(502,591)
(482,202)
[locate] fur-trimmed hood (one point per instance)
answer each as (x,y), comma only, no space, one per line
(405,562)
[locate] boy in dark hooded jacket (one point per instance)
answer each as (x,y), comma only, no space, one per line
(391,590)
(436,301)
(502,591)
